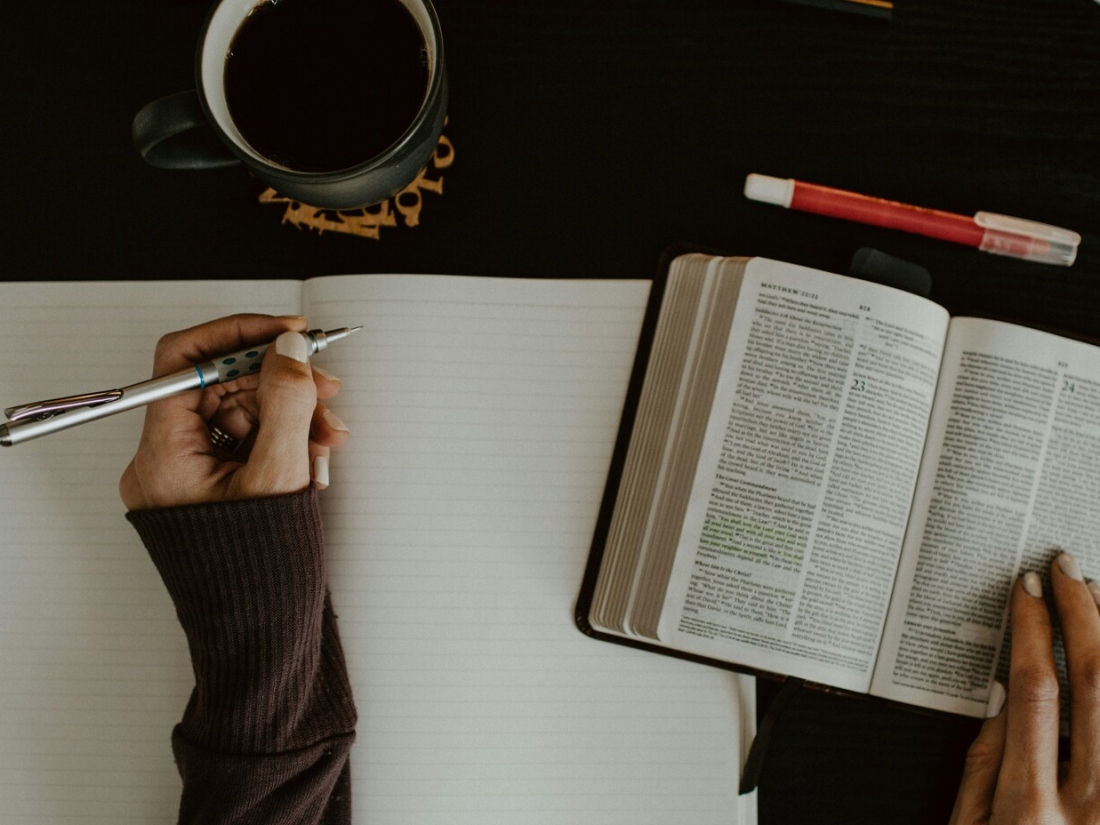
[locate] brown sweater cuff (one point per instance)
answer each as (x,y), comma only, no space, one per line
(248,580)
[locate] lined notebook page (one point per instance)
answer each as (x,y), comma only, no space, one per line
(94,670)
(483,414)
(459,520)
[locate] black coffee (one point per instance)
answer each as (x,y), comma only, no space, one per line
(323,85)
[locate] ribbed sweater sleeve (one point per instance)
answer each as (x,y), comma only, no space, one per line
(266,734)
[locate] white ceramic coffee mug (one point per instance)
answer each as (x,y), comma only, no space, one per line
(195,129)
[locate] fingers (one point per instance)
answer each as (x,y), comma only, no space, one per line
(285,435)
(327,428)
(286,399)
(1029,771)
(236,412)
(1012,768)
(181,349)
(327,383)
(234,409)
(1081,632)
(983,764)
(318,463)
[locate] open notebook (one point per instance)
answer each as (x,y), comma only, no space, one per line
(483,414)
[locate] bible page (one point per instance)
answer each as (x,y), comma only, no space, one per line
(789,547)
(483,414)
(1011,474)
(94,668)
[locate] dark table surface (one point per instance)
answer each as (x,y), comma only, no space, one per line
(588,137)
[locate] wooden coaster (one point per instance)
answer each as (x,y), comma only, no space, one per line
(368,221)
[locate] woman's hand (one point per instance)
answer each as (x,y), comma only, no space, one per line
(284,433)
(1012,771)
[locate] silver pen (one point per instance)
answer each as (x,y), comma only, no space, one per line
(40,418)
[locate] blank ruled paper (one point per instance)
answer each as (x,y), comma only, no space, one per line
(94,670)
(483,414)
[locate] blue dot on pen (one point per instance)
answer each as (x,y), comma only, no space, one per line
(228,361)
(233,373)
(251,354)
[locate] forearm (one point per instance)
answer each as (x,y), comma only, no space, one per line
(266,734)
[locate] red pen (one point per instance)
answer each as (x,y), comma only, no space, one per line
(988,231)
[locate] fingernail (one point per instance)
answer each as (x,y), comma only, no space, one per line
(320,471)
(1094,589)
(996,701)
(328,376)
(334,421)
(292,345)
(1069,566)
(1033,585)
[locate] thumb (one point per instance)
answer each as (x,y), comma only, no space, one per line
(287,397)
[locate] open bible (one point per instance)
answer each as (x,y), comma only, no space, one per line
(832,479)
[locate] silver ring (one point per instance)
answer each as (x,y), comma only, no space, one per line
(223,440)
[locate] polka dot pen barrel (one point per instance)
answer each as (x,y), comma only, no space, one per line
(28,421)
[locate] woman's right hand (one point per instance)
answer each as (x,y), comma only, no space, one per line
(255,436)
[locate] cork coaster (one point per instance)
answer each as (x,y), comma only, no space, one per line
(368,222)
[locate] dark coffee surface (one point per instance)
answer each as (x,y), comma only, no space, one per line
(323,85)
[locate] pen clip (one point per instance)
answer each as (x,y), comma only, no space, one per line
(39,410)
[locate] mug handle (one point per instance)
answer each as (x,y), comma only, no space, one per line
(172,133)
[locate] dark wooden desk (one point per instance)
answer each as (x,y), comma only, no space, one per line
(588,137)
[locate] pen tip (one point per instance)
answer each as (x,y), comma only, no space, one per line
(356,329)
